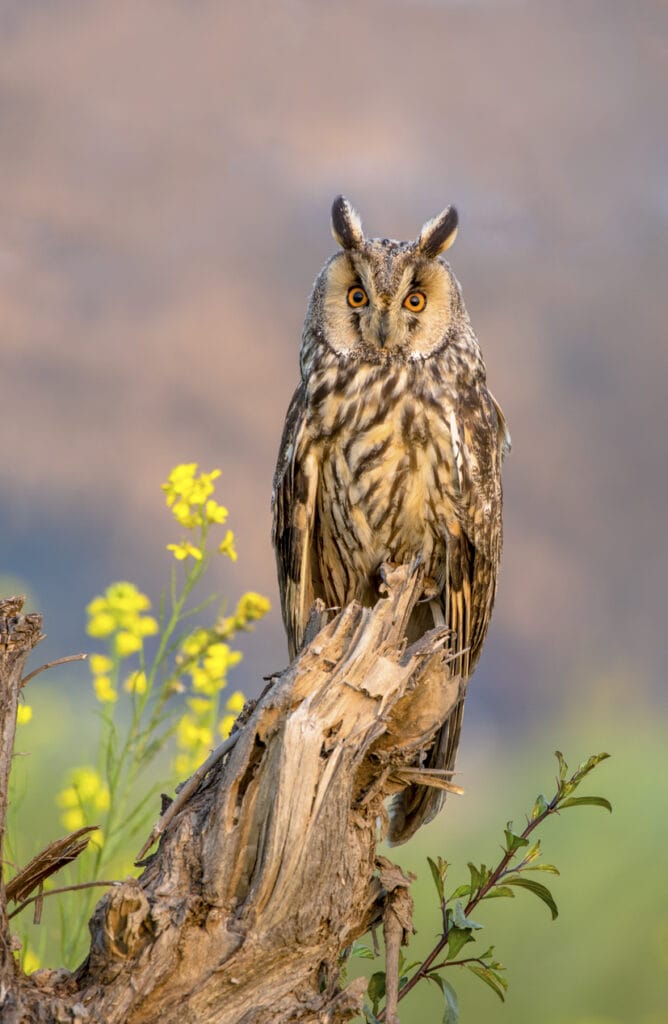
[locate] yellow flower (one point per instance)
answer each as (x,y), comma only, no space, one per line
(185,764)
(225,725)
(184,549)
(179,481)
(127,643)
(101,624)
(202,682)
(136,683)
(100,665)
(195,643)
(86,792)
(119,608)
(226,546)
(202,487)
(236,701)
(23,714)
(217,659)
(215,513)
(190,735)
(74,819)
(30,961)
(101,799)
(227,626)
(97,605)
(252,606)
(67,798)
(146,626)
(96,838)
(125,597)
(185,516)
(104,691)
(87,782)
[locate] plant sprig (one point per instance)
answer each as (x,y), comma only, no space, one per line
(458,928)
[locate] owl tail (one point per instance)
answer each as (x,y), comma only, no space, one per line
(417,805)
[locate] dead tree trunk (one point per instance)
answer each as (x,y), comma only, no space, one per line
(270,870)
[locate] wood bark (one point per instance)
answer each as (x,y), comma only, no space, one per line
(270,870)
(19,634)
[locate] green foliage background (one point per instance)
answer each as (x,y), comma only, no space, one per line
(605,959)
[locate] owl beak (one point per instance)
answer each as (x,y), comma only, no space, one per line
(383,330)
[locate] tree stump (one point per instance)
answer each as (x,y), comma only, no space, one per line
(270,871)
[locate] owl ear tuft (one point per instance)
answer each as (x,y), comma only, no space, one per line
(346,224)
(438,234)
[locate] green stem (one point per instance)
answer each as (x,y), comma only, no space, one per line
(494,878)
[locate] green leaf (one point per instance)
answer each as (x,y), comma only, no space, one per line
(532,853)
(458,937)
(540,807)
(451,1009)
(491,978)
(362,951)
(542,867)
(563,767)
(583,801)
(438,875)
(460,920)
(499,890)
(538,889)
(376,990)
(476,877)
(513,841)
(588,766)
(462,890)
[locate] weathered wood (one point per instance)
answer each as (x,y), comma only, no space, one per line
(19,634)
(270,870)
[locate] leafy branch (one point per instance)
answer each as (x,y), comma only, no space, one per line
(519,857)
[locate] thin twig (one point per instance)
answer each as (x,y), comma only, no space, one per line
(52,664)
(186,792)
(55,892)
(459,963)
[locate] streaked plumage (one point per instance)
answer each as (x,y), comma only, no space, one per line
(392,448)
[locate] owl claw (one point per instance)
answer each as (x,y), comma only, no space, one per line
(430,589)
(386,574)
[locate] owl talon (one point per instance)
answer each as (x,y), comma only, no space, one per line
(387,575)
(430,589)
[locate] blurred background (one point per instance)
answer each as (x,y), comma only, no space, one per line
(165,184)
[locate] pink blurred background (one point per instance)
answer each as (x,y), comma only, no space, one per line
(165,183)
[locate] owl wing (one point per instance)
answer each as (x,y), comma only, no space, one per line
(294,505)
(480,439)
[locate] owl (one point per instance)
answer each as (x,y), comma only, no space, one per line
(392,449)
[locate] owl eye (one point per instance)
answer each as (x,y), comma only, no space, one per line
(357,297)
(415,301)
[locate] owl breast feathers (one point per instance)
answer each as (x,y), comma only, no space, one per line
(392,449)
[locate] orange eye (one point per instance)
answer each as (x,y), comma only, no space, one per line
(357,297)
(415,301)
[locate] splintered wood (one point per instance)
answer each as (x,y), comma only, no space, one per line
(269,871)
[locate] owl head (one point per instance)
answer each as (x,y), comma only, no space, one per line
(381,299)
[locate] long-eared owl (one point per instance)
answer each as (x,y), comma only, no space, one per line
(392,449)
